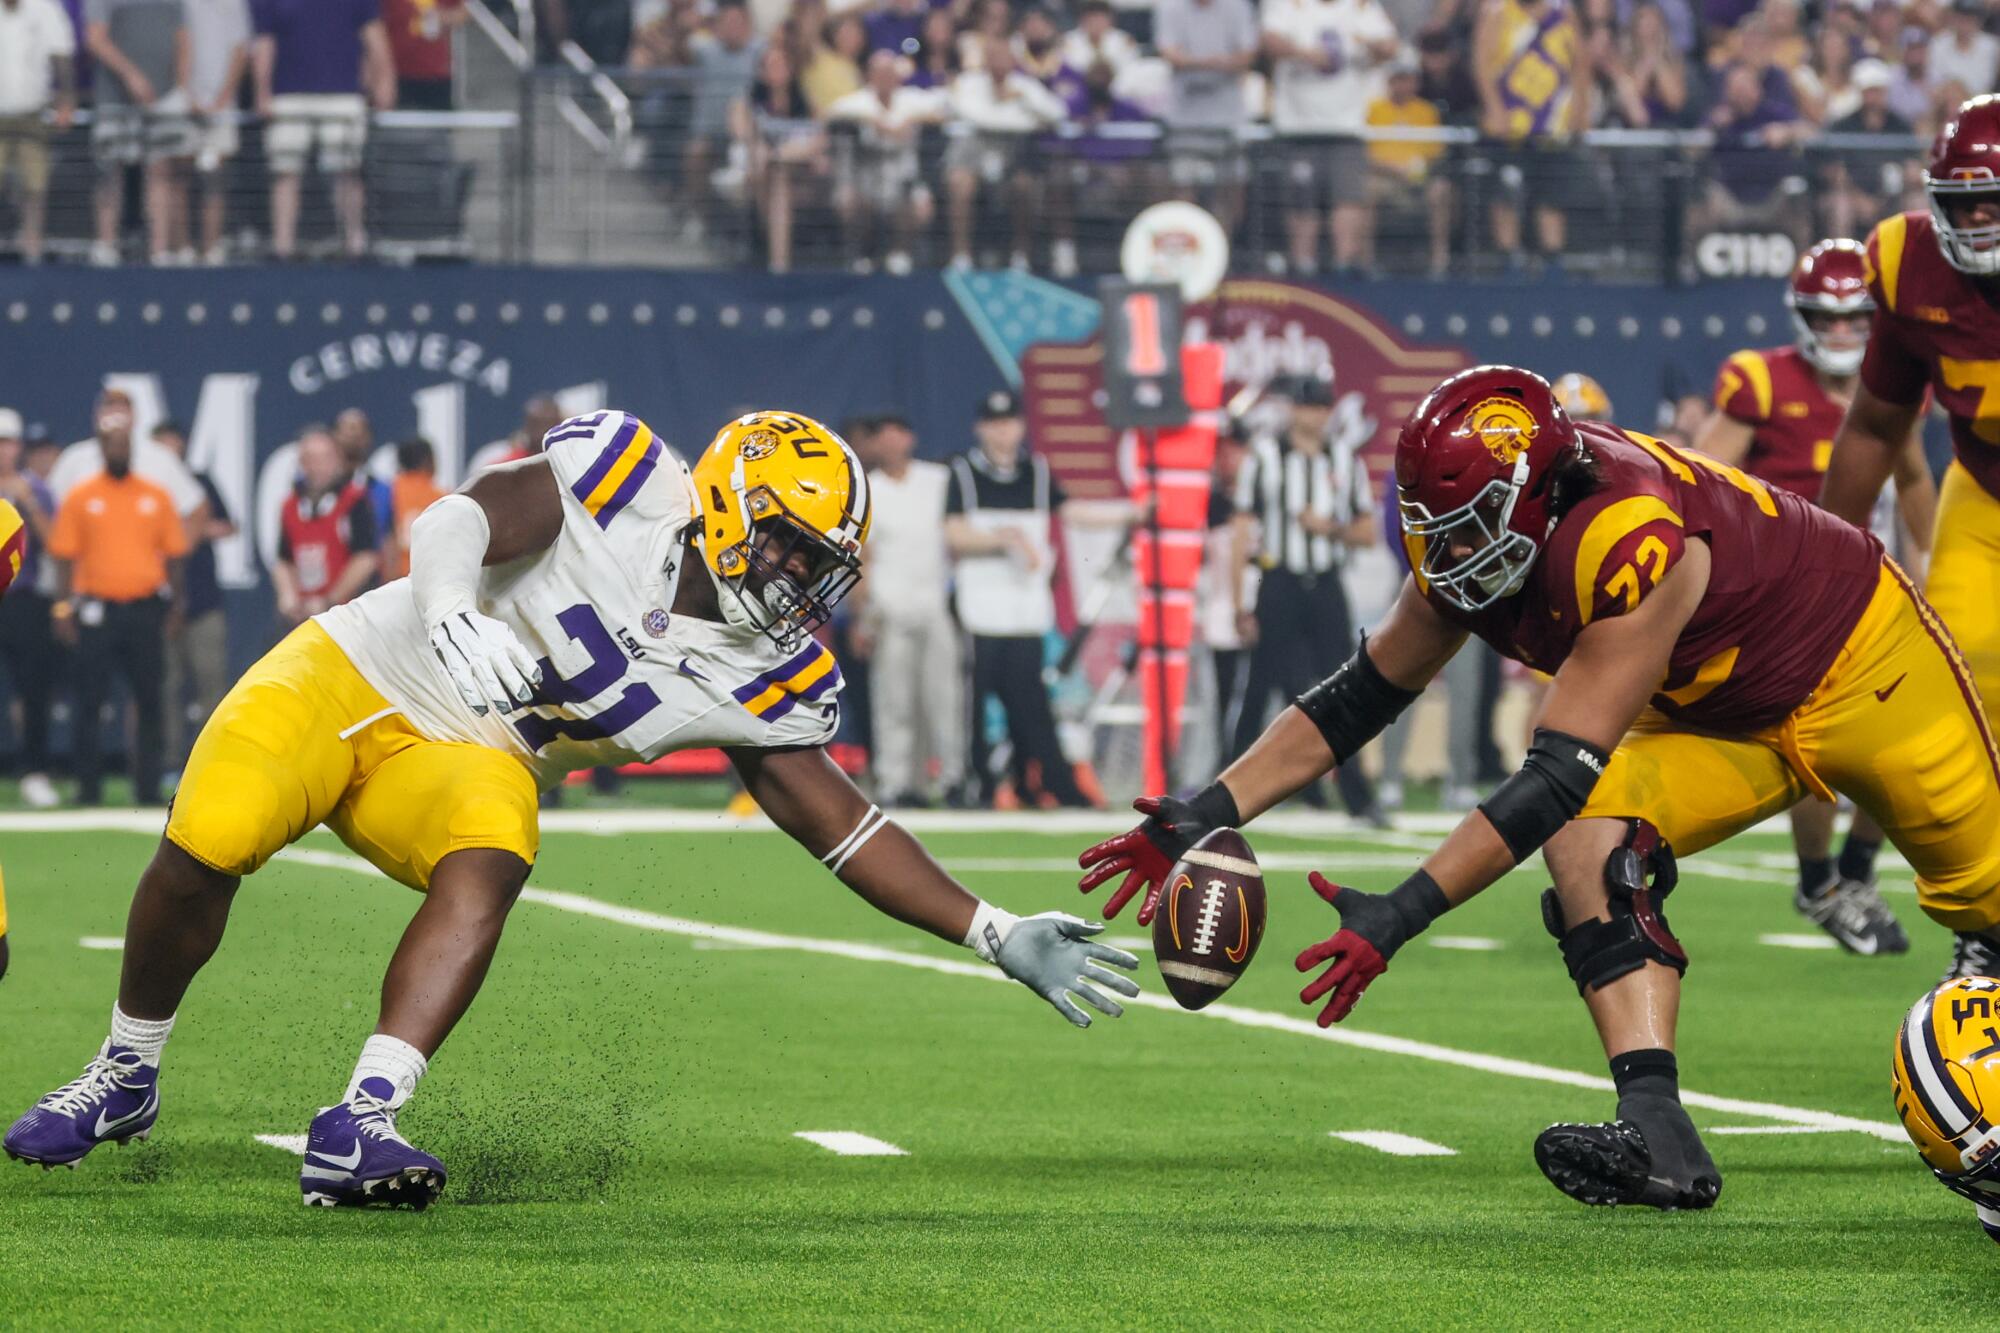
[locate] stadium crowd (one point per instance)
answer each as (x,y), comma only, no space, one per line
(1350,135)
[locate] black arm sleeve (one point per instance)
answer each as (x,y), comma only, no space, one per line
(1354,704)
(1548,791)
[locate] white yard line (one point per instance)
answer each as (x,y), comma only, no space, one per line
(1798,941)
(1396,1145)
(109,943)
(294,1144)
(1466,943)
(1770,1129)
(847,1143)
(1227,1013)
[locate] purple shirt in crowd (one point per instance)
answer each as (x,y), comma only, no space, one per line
(318,41)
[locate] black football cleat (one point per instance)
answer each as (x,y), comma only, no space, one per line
(1973,955)
(1614,1162)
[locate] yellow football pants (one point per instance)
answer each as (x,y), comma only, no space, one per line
(1964,580)
(303,740)
(1896,724)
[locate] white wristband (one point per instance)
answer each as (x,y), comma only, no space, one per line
(447,547)
(990,928)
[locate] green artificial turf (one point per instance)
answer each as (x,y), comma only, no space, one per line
(618,1116)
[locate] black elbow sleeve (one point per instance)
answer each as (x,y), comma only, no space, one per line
(1354,704)
(1548,791)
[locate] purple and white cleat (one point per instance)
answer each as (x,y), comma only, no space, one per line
(356,1159)
(116,1100)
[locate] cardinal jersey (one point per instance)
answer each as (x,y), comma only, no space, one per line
(622,678)
(1787,582)
(1791,416)
(1938,327)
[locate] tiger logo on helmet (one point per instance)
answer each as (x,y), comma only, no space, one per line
(784,510)
(1945,1073)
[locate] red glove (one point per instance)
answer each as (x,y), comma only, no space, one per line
(1144,855)
(1372,927)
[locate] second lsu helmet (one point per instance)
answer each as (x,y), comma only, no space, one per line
(13,545)
(1583,397)
(1945,1073)
(1473,467)
(1830,280)
(1965,162)
(784,509)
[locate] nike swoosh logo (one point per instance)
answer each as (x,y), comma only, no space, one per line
(1883,695)
(347,1163)
(105,1126)
(689,671)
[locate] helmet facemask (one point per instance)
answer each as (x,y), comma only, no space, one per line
(1500,559)
(1839,362)
(785,579)
(1973,250)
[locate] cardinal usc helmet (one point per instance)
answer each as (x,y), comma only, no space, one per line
(1945,1072)
(1964,165)
(1830,282)
(1583,398)
(13,545)
(1473,466)
(784,511)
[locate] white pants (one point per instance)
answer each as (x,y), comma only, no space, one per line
(917,696)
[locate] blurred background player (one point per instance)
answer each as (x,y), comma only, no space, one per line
(197,656)
(1932,276)
(414,490)
(13,563)
(27,640)
(1777,410)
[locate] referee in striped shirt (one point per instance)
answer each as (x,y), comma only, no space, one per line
(1302,500)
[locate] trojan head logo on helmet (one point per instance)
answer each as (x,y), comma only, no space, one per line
(784,510)
(1583,398)
(1964,169)
(1830,305)
(1473,465)
(1945,1072)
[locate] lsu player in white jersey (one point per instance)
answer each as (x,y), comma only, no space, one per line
(595,604)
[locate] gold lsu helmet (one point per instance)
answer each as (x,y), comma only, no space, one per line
(1582,397)
(1945,1072)
(784,510)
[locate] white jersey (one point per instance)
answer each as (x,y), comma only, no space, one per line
(623,680)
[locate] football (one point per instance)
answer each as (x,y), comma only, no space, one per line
(1210,918)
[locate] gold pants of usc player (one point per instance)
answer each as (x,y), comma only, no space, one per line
(303,740)
(1964,580)
(1895,724)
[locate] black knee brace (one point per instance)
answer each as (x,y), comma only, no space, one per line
(1598,952)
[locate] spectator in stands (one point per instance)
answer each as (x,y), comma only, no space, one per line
(1648,75)
(1910,93)
(198,655)
(142,117)
(1118,172)
(725,63)
(1445,82)
(218,36)
(355,434)
(1829,82)
(602,28)
(1001,107)
(1861,185)
(880,186)
(1326,66)
(785,149)
(319,64)
(120,545)
(327,539)
(990,18)
(112,417)
(37,78)
(897,26)
(420,48)
(1755,166)
(1097,39)
(937,59)
(914,671)
(1210,45)
(1038,48)
(834,70)
(414,491)
(27,643)
(998,513)
(1535,97)
(665,39)
(1406,180)
(1964,50)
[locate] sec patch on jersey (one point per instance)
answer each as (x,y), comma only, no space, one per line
(1210,919)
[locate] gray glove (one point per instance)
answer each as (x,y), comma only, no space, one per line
(1053,956)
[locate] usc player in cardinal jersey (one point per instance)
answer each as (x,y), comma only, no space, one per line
(1935,277)
(1776,411)
(1720,649)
